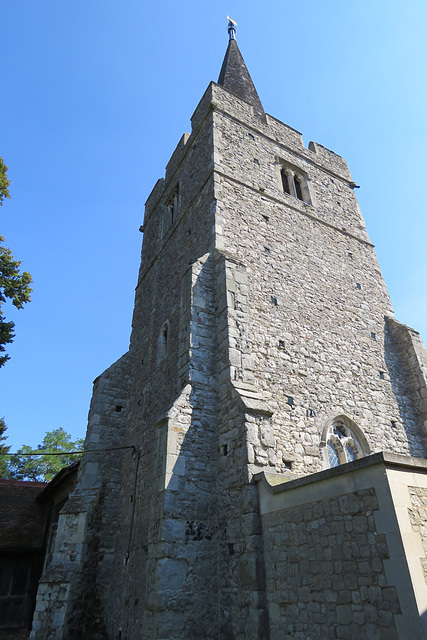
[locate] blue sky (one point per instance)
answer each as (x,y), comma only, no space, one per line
(96,95)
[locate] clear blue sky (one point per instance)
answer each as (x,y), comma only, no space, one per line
(94,98)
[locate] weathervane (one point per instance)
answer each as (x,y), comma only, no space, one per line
(231,28)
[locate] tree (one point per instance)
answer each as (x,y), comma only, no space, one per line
(3,449)
(44,468)
(4,182)
(14,285)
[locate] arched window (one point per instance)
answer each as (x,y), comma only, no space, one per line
(298,187)
(342,441)
(285,182)
(294,182)
(350,453)
(333,454)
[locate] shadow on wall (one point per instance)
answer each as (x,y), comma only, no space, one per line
(207,499)
(423,619)
(396,358)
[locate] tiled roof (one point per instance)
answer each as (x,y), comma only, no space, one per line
(22,517)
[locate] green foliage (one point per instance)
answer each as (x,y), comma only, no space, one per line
(16,287)
(4,182)
(3,449)
(13,285)
(44,468)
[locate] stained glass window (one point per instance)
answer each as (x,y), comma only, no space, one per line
(333,456)
(341,444)
(350,453)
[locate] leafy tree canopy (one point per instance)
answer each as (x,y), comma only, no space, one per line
(3,449)
(43,468)
(14,285)
(4,182)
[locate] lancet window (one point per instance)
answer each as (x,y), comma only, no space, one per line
(294,183)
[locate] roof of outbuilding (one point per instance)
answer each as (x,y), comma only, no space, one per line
(22,517)
(59,480)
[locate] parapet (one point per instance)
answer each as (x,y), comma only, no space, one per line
(216,98)
(330,160)
(177,156)
(153,197)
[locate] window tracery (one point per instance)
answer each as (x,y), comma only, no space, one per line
(343,442)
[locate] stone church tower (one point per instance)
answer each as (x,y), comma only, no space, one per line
(254,466)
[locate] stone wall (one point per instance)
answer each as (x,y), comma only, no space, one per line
(326,571)
(173,409)
(418,517)
(334,553)
(408,486)
(93,530)
(258,318)
(413,361)
(314,322)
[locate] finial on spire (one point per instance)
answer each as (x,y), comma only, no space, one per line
(234,75)
(231,28)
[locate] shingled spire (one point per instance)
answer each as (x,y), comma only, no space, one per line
(234,75)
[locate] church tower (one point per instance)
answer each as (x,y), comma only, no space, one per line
(264,354)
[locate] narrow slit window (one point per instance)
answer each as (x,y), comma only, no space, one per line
(171,210)
(173,204)
(163,341)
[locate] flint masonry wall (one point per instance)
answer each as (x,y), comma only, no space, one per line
(315,319)
(123,555)
(76,592)
(306,334)
(258,318)
(242,611)
(173,565)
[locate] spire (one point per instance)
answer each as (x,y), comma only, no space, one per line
(234,75)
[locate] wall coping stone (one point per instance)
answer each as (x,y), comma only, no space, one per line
(276,483)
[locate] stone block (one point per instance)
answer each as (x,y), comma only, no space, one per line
(170,574)
(235,358)
(170,482)
(241,277)
(171,625)
(344,615)
(266,435)
(372,632)
(173,530)
(247,570)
